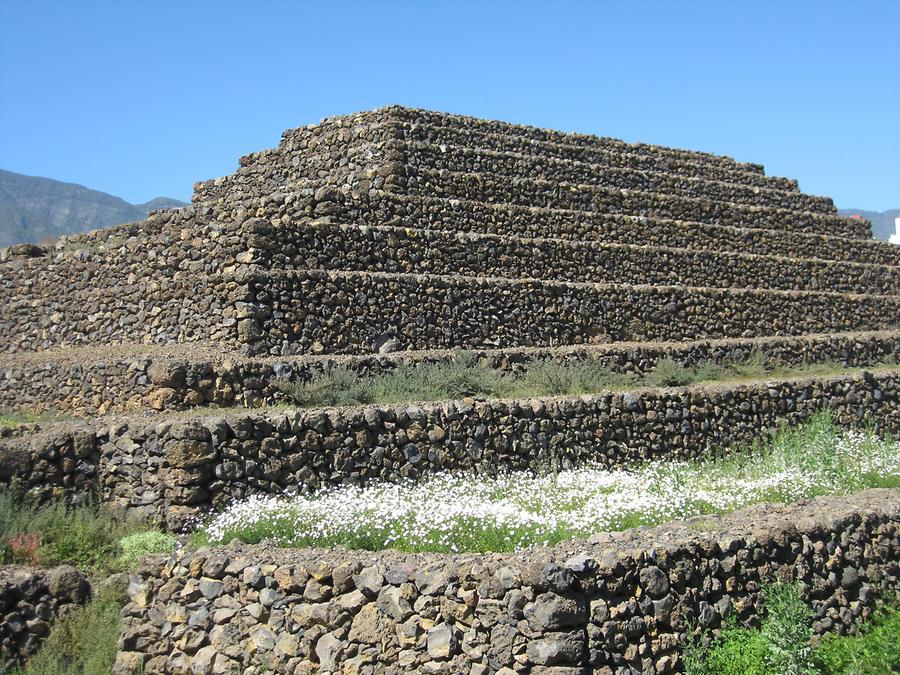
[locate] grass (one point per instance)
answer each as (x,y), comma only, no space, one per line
(459,512)
(88,536)
(10,419)
(874,649)
(783,645)
(82,642)
(467,375)
(97,541)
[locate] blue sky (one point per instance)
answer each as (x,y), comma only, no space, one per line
(141,99)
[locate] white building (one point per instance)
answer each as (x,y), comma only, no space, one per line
(895,238)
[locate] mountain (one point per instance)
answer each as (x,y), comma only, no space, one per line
(33,209)
(882,223)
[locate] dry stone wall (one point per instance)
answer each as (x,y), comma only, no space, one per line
(172,469)
(190,275)
(439,122)
(166,279)
(351,312)
(617,603)
(460,215)
(476,160)
(119,381)
(30,600)
(322,245)
(600,199)
(627,157)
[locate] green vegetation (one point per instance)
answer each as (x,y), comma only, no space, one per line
(875,649)
(97,541)
(783,645)
(517,510)
(10,419)
(147,542)
(89,536)
(467,375)
(84,641)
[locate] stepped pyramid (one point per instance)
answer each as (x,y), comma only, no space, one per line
(404,236)
(421,230)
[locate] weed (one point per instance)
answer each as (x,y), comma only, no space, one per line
(874,649)
(86,536)
(787,630)
(84,641)
(515,510)
(10,419)
(466,375)
(755,364)
(134,546)
(737,651)
(669,373)
(783,644)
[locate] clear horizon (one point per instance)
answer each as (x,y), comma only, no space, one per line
(142,100)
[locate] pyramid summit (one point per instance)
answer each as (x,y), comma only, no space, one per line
(191,348)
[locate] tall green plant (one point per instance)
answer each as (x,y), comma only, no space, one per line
(787,630)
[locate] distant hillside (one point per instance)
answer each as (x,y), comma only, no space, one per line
(33,209)
(882,223)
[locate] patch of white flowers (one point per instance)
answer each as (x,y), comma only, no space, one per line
(455,512)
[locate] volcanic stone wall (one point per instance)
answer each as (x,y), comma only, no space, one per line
(30,599)
(617,154)
(120,381)
(349,312)
(427,157)
(322,245)
(193,275)
(620,602)
(459,215)
(353,153)
(601,199)
(469,131)
(163,280)
(172,469)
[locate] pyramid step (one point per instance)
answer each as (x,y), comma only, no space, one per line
(121,378)
(596,199)
(420,156)
(465,125)
(352,312)
(464,215)
(70,304)
(613,155)
(173,466)
(321,245)
(617,602)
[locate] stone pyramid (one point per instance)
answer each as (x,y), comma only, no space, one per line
(405,236)
(411,230)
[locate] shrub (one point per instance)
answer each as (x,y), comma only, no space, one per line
(782,646)
(787,630)
(24,548)
(464,375)
(336,386)
(707,371)
(134,546)
(875,649)
(737,651)
(669,373)
(755,364)
(467,375)
(86,536)
(552,379)
(82,642)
